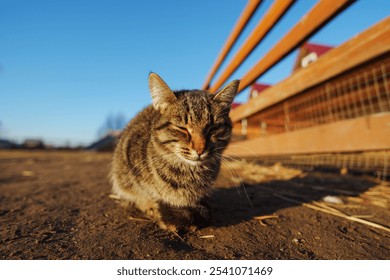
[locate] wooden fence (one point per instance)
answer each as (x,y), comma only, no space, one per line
(339,105)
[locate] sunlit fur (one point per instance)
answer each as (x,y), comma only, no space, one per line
(170,154)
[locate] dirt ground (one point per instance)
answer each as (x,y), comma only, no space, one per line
(57,205)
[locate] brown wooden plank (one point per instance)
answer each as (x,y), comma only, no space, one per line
(362,48)
(360,134)
(317,17)
(273,15)
(243,20)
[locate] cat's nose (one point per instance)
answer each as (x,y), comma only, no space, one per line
(198,144)
(200,151)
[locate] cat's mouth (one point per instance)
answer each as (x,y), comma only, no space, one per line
(194,160)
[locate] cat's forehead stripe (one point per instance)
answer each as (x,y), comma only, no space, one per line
(186,110)
(198,107)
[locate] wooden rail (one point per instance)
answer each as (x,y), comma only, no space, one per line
(315,19)
(274,14)
(360,134)
(359,92)
(364,47)
(243,20)
(338,105)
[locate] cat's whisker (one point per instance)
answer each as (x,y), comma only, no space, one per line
(234,173)
(224,155)
(232,159)
(230,166)
(239,161)
(244,148)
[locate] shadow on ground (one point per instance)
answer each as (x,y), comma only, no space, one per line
(235,205)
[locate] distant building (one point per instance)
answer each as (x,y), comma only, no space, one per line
(106,143)
(33,144)
(256,89)
(308,53)
(7,144)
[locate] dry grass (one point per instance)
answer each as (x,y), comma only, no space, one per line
(238,172)
(322,207)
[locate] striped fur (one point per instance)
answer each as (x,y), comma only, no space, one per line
(169,155)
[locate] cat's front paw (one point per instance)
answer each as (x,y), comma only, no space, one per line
(201,214)
(184,219)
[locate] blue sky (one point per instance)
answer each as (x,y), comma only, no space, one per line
(66,65)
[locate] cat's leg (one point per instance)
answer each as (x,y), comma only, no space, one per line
(188,218)
(201,213)
(131,195)
(149,207)
(152,209)
(168,217)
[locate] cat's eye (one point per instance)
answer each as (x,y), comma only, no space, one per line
(211,129)
(181,128)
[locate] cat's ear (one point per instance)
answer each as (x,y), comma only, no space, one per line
(227,94)
(162,95)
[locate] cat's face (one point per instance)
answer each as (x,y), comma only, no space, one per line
(194,125)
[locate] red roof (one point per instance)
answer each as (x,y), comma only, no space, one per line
(259,87)
(235,105)
(318,49)
(308,48)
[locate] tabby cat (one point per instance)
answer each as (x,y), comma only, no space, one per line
(169,155)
